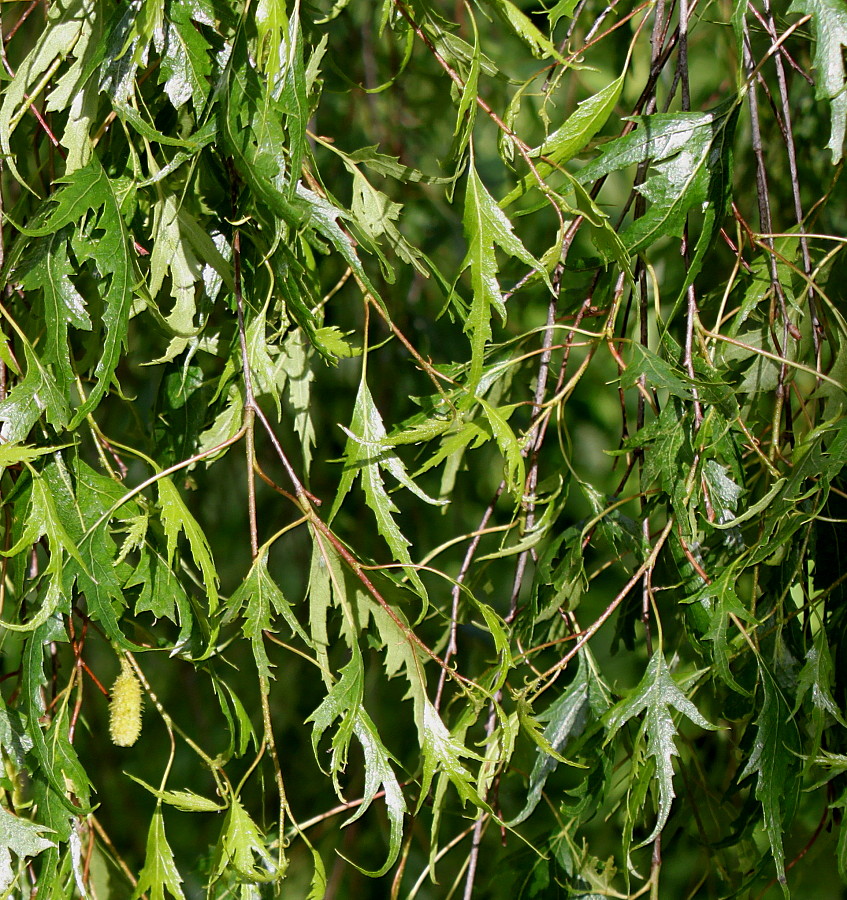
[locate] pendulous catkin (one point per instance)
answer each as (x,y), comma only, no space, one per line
(125,707)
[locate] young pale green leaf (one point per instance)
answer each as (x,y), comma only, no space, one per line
(832,764)
(365,457)
(775,761)
(173,256)
(271,28)
(296,362)
(260,598)
(376,215)
(655,695)
(564,8)
(189,146)
(390,166)
(75,91)
(570,139)
(454,443)
(53,599)
(508,444)
(185,801)
(486,227)
(241,730)
(226,425)
(317,887)
(830,21)
(459,52)
(242,849)
(43,520)
(325,580)
(264,371)
(579,128)
(466,114)
(379,774)
(344,702)
(56,40)
(136,532)
(294,96)
(331,343)
(420,428)
(160,873)
(177,518)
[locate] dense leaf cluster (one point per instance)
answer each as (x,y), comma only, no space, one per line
(456,388)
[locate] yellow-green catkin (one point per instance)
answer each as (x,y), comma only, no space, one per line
(125,707)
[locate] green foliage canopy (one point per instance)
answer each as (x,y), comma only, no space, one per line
(438,411)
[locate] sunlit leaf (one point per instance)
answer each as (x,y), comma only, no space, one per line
(23,838)
(486,227)
(830,21)
(655,696)
(176,518)
(571,138)
(261,600)
(160,873)
(364,458)
(85,192)
(242,849)
(185,63)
